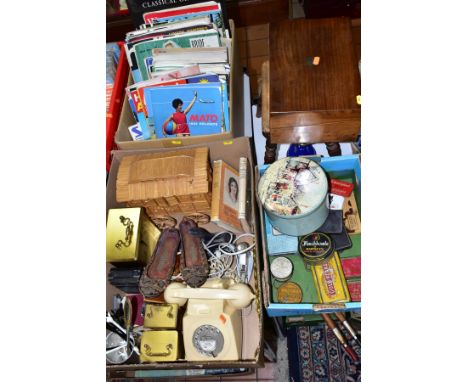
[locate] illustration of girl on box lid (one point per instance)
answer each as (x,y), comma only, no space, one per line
(179,126)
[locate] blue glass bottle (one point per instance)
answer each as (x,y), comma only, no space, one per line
(301,149)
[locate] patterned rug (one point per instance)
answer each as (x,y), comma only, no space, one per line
(315,355)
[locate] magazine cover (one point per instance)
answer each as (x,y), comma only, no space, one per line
(187,110)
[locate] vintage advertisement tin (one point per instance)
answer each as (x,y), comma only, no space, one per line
(330,281)
(289,293)
(293,192)
(315,248)
(281,268)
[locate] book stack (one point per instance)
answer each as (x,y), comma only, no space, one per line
(179,60)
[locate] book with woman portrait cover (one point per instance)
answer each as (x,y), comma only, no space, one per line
(225,197)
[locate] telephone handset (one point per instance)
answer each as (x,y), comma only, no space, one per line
(212,324)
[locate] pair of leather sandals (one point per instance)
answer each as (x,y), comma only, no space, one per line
(194,265)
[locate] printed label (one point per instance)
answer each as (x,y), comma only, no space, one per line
(204,42)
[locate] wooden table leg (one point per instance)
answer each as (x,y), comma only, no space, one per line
(333,149)
(270,149)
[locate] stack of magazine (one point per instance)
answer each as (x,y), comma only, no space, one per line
(179,60)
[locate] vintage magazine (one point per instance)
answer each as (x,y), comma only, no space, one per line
(188,110)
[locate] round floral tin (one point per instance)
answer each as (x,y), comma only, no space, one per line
(293,192)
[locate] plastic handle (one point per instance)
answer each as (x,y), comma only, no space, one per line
(238,295)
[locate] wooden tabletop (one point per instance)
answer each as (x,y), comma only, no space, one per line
(296,84)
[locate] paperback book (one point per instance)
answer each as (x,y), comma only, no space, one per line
(188,110)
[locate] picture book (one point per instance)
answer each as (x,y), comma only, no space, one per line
(225,197)
(143,50)
(184,110)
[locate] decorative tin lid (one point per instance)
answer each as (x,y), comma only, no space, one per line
(316,247)
(281,268)
(290,293)
(293,186)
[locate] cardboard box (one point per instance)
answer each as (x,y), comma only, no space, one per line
(337,165)
(252,353)
(124,140)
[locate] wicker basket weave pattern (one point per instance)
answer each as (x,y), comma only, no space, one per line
(166,183)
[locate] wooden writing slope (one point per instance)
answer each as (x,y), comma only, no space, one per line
(305,101)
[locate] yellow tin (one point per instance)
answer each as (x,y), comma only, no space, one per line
(159,346)
(130,235)
(330,281)
(160,316)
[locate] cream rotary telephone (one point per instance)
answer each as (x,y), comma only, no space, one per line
(212,324)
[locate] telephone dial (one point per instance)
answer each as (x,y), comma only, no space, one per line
(212,324)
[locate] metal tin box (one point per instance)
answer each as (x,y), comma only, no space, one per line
(159,346)
(130,236)
(161,316)
(293,192)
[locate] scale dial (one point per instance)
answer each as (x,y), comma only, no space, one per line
(208,340)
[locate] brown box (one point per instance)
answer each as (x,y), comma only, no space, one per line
(236,114)
(166,182)
(252,348)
